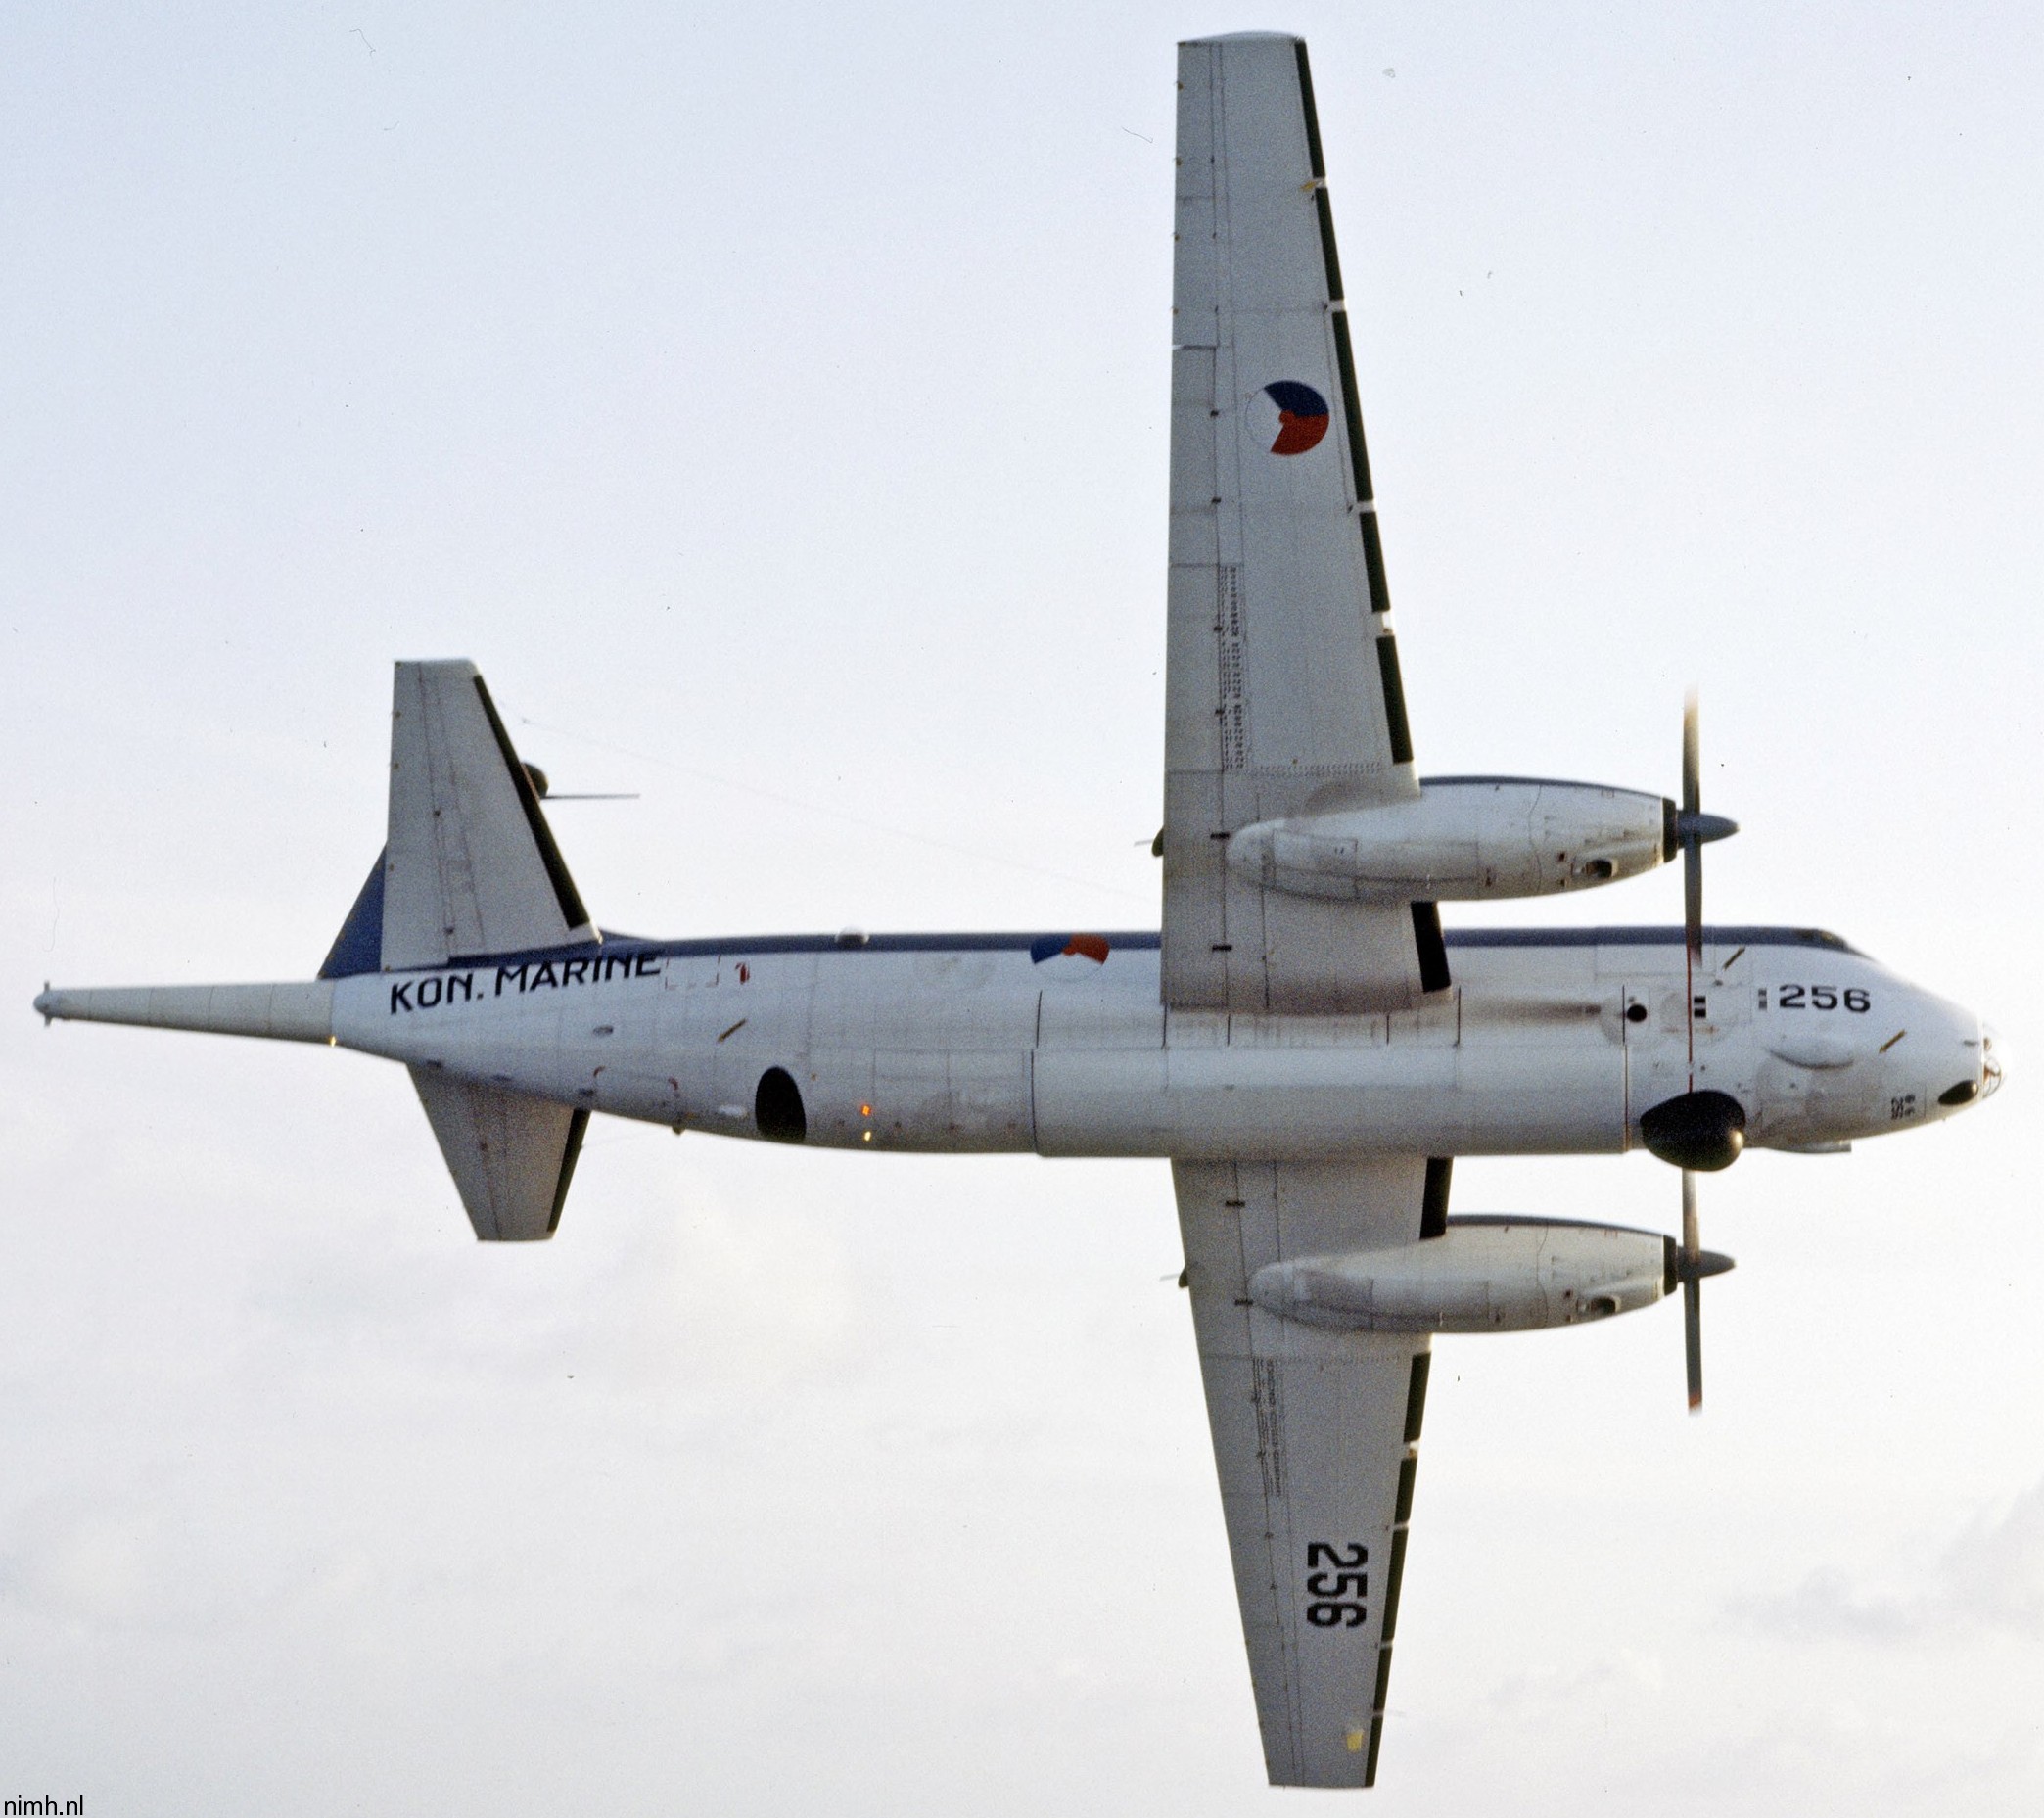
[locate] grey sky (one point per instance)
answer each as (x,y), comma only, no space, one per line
(778,394)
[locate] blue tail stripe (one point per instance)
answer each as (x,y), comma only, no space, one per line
(358,947)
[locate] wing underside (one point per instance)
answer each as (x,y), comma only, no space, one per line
(1283,697)
(1283,688)
(1315,1438)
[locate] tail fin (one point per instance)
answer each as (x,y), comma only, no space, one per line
(358,947)
(469,869)
(471,866)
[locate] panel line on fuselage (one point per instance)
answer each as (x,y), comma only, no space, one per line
(1138,940)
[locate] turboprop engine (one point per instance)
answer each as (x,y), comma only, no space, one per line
(1464,838)
(1484,1275)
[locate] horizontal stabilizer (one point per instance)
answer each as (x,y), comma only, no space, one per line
(471,866)
(512,1157)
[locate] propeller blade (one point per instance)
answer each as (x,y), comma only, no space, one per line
(1694,830)
(1691,1279)
(1693,1338)
(1692,897)
(1692,761)
(1687,825)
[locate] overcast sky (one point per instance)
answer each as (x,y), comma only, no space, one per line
(772,401)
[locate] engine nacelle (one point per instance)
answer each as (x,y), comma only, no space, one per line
(1465,838)
(1484,1275)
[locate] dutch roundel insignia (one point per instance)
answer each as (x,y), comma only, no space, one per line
(1302,417)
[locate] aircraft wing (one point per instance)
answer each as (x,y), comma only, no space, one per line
(1313,1434)
(1283,686)
(1282,697)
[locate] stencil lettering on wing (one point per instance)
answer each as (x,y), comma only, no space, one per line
(1270,1427)
(1337,1584)
(1233,710)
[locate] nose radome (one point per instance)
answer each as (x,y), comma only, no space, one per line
(1984,1051)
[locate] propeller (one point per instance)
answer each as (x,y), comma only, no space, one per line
(1692,1289)
(1694,830)
(1702,1130)
(1697,1130)
(1689,1263)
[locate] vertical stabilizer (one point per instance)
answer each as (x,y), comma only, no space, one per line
(471,866)
(358,947)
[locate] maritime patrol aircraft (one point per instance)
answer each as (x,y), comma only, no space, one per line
(1302,1042)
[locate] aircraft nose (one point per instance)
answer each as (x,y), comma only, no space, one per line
(1985,1049)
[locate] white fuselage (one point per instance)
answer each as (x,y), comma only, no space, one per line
(1551,1042)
